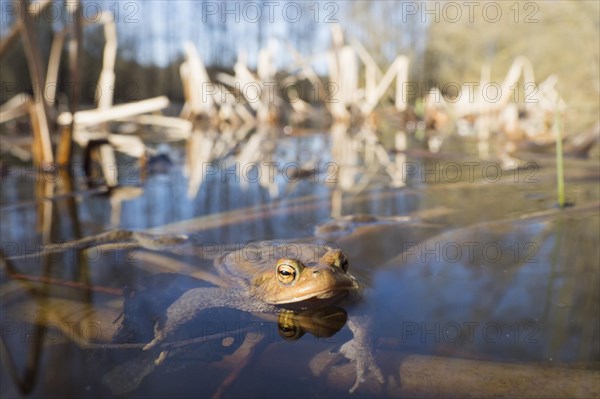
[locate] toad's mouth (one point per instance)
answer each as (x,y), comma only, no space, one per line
(316,297)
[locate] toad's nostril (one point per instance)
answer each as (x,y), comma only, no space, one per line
(316,271)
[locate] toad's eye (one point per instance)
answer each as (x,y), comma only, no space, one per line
(287,271)
(342,262)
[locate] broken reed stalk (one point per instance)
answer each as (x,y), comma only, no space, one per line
(42,146)
(560,178)
(65,147)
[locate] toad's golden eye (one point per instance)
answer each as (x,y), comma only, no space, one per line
(287,271)
(341,261)
(344,263)
(335,258)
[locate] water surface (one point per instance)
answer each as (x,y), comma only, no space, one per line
(489,270)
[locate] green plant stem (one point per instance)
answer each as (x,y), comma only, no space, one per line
(560,183)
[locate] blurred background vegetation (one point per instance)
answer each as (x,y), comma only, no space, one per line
(559,37)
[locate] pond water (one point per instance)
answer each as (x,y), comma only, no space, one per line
(470,269)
